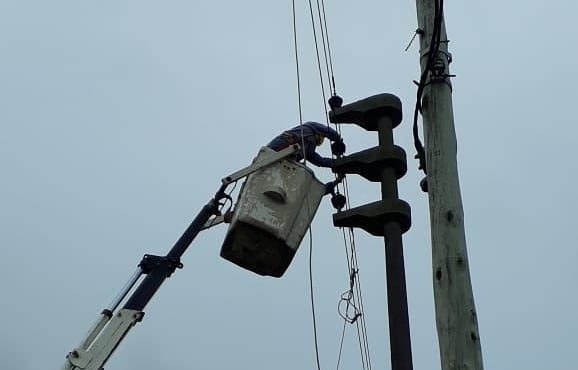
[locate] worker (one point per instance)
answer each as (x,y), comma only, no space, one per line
(309,136)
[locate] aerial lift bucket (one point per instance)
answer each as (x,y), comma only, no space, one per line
(275,207)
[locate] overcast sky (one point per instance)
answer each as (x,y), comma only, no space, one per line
(118,119)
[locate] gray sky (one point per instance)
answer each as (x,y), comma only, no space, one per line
(118,118)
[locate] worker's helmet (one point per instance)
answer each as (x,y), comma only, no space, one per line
(319,139)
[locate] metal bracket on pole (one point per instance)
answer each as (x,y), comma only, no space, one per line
(366,112)
(370,162)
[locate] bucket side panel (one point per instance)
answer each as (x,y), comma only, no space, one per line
(312,196)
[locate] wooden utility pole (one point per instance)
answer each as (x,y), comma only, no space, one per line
(456,317)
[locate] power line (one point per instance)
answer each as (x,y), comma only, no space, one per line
(314,28)
(334,92)
(297,64)
(312,298)
(323,39)
(354,296)
(358,296)
(298,75)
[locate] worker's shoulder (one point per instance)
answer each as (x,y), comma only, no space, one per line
(315,125)
(320,128)
(324,130)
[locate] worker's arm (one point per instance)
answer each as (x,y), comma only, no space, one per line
(326,131)
(318,160)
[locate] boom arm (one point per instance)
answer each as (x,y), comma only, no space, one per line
(111,327)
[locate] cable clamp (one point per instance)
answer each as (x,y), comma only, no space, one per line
(425,52)
(435,79)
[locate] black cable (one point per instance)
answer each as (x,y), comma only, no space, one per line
(352,296)
(341,344)
(312,298)
(432,53)
(300,108)
(355,292)
(359,300)
(361,325)
(344,321)
(362,349)
(325,53)
(297,64)
(334,92)
(352,266)
(327,57)
(323,37)
(305,158)
(318,59)
(433,50)
(358,297)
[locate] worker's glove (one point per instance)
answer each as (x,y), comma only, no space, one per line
(330,186)
(338,148)
(335,169)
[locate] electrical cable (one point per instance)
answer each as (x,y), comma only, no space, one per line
(341,344)
(362,349)
(318,60)
(432,53)
(353,296)
(344,321)
(362,329)
(334,92)
(323,39)
(360,302)
(349,241)
(314,318)
(297,64)
(312,297)
(363,337)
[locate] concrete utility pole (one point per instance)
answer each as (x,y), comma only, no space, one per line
(390,217)
(456,317)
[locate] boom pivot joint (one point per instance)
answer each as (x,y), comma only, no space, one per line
(150,263)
